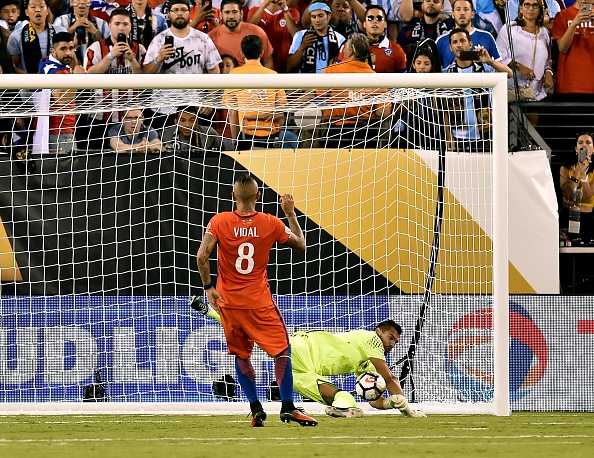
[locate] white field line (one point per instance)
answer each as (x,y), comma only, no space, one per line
(351,439)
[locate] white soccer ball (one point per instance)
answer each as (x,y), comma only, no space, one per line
(370,385)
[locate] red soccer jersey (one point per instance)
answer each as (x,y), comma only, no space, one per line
(275,26)
(572,73)
(243,246)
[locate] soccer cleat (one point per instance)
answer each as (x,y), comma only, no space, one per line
(258,418)
(198,304)
(344,412)
(298,416)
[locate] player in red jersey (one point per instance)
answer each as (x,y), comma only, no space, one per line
(242,295)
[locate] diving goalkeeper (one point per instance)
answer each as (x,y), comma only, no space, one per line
(318,354)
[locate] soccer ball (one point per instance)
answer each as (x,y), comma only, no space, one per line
(370,385)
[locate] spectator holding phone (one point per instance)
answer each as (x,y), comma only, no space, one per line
(180,50)
(116,53)
(316,48)
(204,17)
(573,29)
(576,180)
(468,119)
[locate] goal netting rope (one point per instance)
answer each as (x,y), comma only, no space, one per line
(97,247)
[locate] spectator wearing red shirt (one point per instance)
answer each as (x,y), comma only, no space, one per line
(56,134)
(574,31)
(387,56)
(227,38)
(280,24)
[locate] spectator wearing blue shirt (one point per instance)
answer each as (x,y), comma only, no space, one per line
(315,49)
(463,13)
(468,117)
(133,136)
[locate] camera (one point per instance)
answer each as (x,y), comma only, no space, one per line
(122,38)
(585,8)
(169,40)
(207,5)
(469,55)
(583,154)
(81,35)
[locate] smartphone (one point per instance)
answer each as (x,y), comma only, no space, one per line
(207,5)
(585,8)
(169,40)
(469,55)
(122,38)
(583,154)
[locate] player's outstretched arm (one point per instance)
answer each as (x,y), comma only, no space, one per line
(397,400)
(297,239)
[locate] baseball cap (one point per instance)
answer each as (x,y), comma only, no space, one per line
(315,6)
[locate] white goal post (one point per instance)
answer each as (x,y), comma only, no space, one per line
(353,202)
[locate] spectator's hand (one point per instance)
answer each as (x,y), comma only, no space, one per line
(484,56)
(581,17)
(78,69)
(166,52)
(120,49)
(202,14)
(281,3)
(287,203)
(525,71)
(308,40)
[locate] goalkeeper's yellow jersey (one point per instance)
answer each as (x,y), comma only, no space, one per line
(342,353)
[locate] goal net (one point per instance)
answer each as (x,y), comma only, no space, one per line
(400,183)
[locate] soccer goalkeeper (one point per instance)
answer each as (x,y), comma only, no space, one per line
(318,354)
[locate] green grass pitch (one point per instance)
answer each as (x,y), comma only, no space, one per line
(109,436)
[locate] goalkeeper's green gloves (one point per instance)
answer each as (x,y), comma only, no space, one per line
(397,401)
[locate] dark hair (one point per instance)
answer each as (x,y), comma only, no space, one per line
(188,109)
(539,20)
(458,30)
(427,48)
(231,2)
(377,7)
(384,325)
(120,12)
(229,56)
(4,3)
(252,46)
(62,37)
(469,1)
(244,178)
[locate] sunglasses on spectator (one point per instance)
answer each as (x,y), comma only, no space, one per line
(378,18)
(531,6)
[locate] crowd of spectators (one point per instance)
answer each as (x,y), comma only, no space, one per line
(546,48)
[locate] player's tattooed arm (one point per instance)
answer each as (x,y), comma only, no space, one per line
(203,258)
